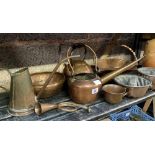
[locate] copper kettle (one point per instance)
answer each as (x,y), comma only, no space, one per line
(75,67)
(84,88)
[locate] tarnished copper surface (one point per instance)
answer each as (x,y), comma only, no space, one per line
(116,60)
(54,86)
(113,93)
(42,108)
(117,72)
(149,53)
(51,75)
(110,63)
(137,86)
(84,88)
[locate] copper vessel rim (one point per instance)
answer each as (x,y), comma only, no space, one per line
(140,71)
(103,88)
(148,85)
(61,74)
(95,76)
(44,72)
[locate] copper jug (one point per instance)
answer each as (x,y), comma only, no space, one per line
(149,52)
(75,67)
(22,98)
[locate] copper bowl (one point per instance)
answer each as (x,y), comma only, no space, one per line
(117,57)
(54,87)
(113,93)
(137,86)
(110,63)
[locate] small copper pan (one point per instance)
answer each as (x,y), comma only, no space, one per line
(113,93)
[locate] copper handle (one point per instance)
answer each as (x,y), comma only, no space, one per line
(71,106)
(67,107)
(77,45)
(94,57)
(131,50)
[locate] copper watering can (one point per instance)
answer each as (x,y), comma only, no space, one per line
(75,67)
(22,98)
(84,88)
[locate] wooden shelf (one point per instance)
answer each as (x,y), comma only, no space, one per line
(99,109)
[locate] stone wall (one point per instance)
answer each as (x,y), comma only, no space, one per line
(18,50)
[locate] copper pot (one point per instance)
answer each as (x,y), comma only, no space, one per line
(114,93)
(55,85)
(75,67)
(84,88)
(149,54)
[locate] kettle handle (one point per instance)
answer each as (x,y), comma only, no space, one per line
(87,46)
(75,46)
(10,77)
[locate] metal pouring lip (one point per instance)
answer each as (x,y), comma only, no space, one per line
(19,71)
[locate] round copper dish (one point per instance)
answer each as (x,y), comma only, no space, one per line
(54,87)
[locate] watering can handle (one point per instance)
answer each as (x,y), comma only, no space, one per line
(10,77)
